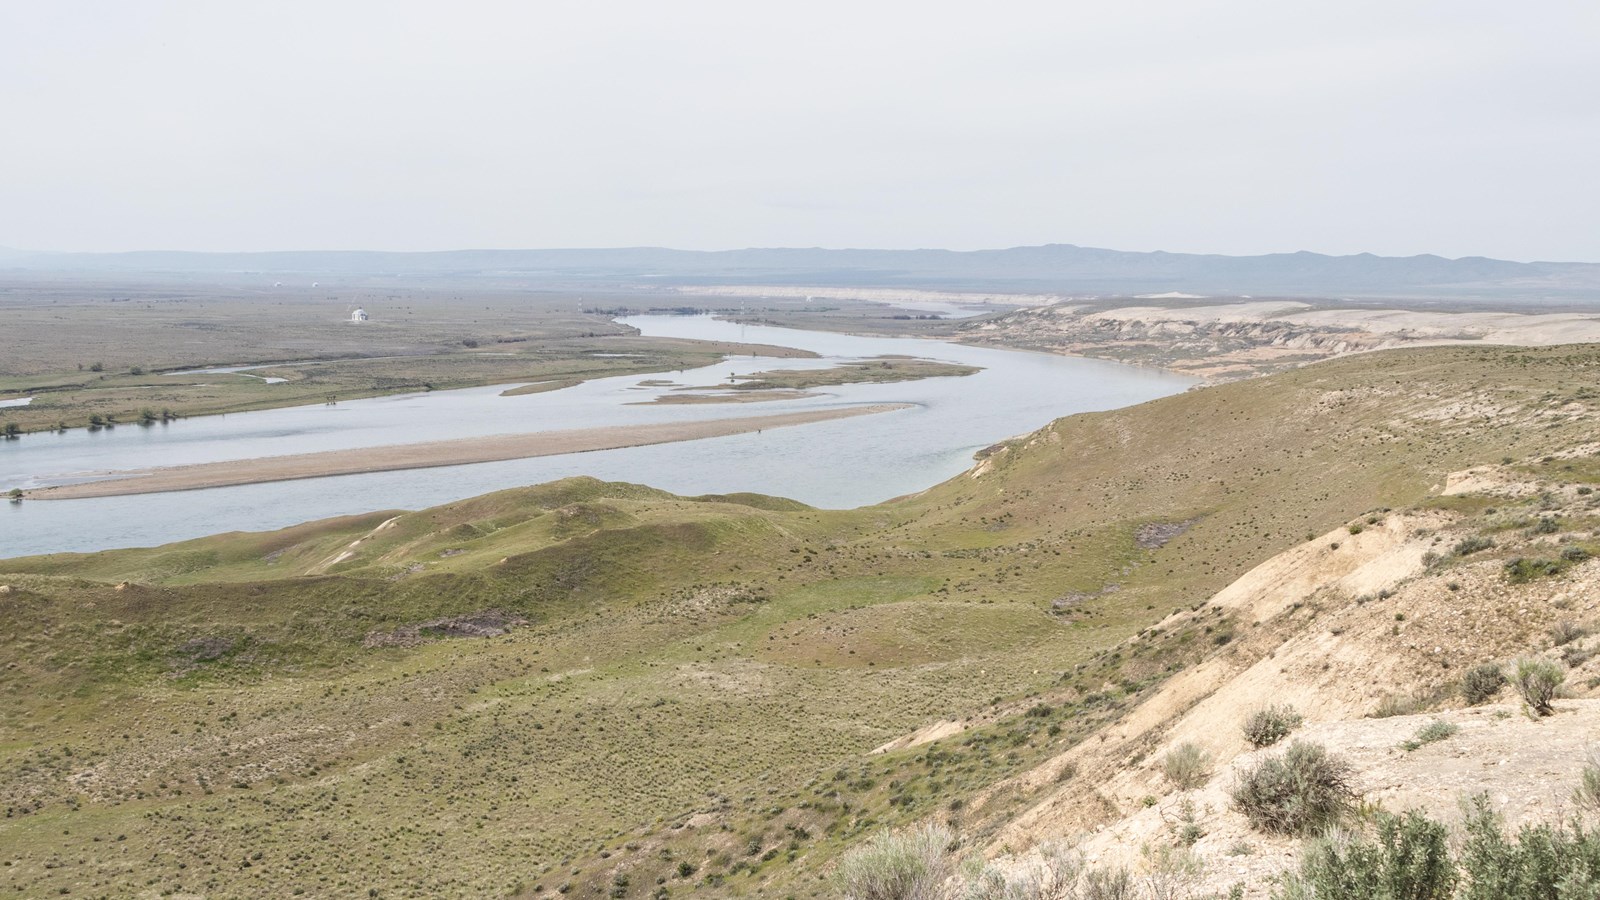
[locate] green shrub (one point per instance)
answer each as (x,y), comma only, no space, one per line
(1266,727)
(1409,859)
(1587,794)
(1473,544)
(1537,681)
(906,865)
(1437,730)
(1299,791)
(1542,862)
(1574,554)
(1522,569)
(1187,765)
(1481,683)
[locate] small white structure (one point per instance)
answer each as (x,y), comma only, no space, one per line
(360,315)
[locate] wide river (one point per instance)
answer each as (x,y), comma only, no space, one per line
(840,463)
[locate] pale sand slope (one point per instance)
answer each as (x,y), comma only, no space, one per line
(1489,327)
(436,453)
(879,295)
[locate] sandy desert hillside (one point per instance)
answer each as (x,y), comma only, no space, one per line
(1367,632)
(1227,339)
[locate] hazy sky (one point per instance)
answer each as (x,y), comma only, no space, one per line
(1458,127)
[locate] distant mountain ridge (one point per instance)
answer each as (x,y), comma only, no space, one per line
(1052,267)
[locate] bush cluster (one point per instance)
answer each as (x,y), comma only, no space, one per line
(1300,791)
(1187,766)
(1537,680)
(905,865)
(1409,858)
(1266,727)
(1522,569)
(1481,683)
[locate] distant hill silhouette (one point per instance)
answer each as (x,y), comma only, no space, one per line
(1051,267)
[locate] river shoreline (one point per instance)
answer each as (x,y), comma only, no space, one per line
(462,451)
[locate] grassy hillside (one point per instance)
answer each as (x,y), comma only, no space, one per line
(686,691)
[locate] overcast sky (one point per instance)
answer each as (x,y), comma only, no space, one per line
(1456,127)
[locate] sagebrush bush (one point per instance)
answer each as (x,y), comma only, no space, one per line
(1052,874)
(1408,859)
(1187,765)
(1587,794)
(1107,883)
(1297,792)
(1472,544)
(1169,873)
(1391,705)
(1481,683)
(1266,727)
(1544,862)
(1565,632)
(1437,730)
(903,865)
(1537,680)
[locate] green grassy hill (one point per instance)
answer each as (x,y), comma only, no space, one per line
(686,691)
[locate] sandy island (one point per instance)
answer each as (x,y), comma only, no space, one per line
(461,451)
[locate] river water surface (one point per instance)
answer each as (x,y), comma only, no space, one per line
(840,463)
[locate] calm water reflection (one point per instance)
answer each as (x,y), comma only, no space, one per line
(842,463)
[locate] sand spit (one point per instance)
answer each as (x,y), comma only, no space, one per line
(435,453)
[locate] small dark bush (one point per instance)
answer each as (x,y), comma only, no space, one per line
(1481,683)
(1299,791)
(1266,727)
(1472,545)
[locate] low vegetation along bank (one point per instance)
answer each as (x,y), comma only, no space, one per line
(602,690)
